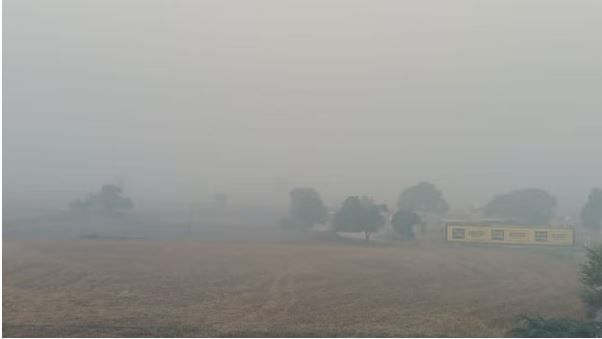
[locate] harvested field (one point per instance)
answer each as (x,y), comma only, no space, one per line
(112,287)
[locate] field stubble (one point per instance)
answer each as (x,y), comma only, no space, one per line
(91,287)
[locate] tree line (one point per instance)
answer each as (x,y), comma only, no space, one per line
(530,206)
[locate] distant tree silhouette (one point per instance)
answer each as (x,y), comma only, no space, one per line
(423,198)
(531,206)
(591,214)
(306,209)
(359,215)
(108,201)
(403,221)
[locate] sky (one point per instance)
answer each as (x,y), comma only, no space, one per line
(179,100)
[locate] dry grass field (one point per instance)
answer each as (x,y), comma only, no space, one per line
(99,287)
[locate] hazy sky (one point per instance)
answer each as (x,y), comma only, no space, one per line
(182,99)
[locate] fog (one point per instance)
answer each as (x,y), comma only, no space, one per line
(179,100)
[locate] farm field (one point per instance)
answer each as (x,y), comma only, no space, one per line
(138,287)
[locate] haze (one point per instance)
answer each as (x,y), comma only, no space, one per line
(179,100)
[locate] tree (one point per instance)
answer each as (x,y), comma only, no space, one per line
(403,222)
(306,209)
(108,201)
(359,215)
(531,206)
(591,214)
(591,277)
(423,198)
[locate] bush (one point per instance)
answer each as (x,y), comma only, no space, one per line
(538,327)
(591,276)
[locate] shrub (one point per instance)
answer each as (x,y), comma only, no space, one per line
(538,327)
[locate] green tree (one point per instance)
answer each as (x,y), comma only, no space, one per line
(360,215)
(530,206)
(306,209)
(591,214)
(423,198)
(591,277)
(403,222)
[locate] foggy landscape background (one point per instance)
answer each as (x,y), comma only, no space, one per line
(179,100)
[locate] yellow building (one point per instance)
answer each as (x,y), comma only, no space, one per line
(507,234)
